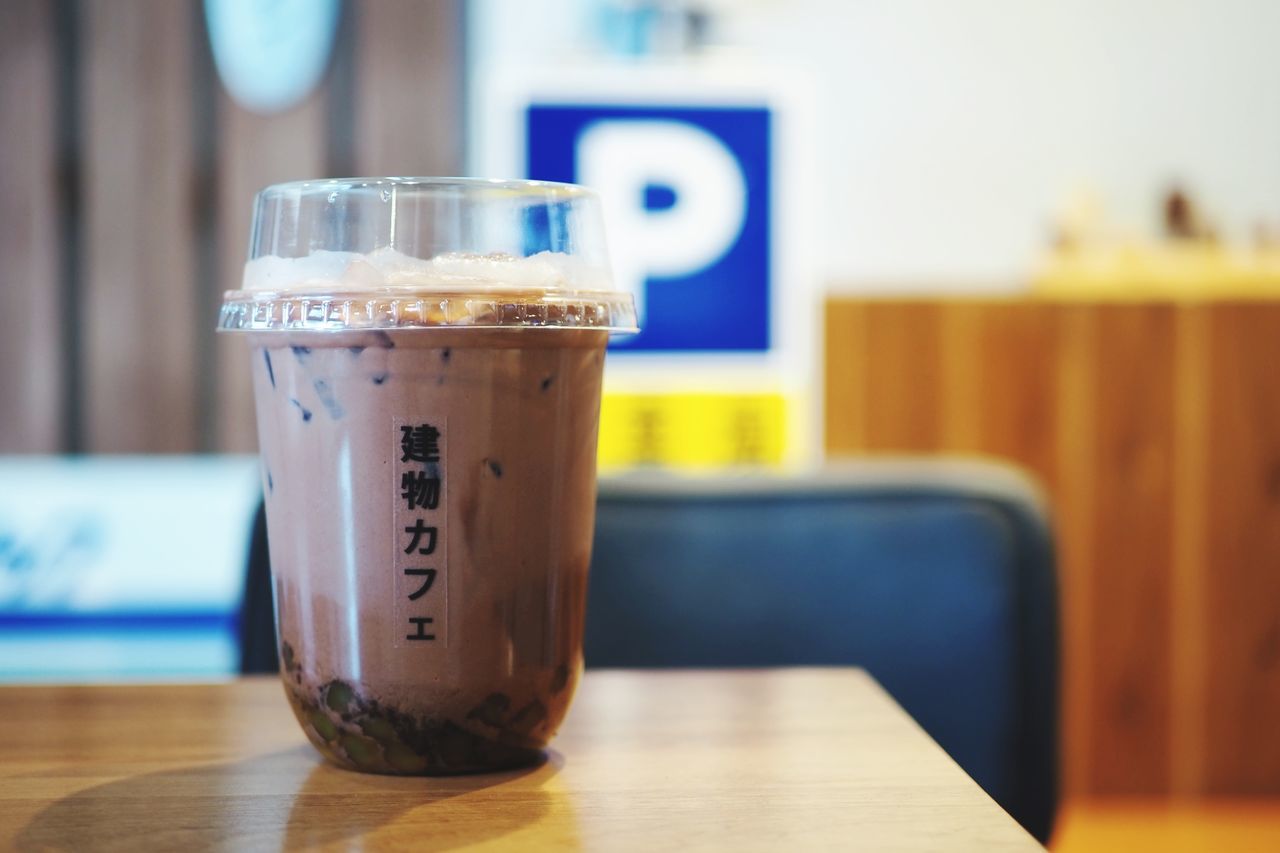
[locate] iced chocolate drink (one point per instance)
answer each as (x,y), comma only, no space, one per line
(427,426)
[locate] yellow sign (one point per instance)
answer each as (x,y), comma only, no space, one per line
(693,430)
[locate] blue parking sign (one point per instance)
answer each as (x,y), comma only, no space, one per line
(686,191)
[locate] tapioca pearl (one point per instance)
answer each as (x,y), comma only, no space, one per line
(379,378)
(306,413)
(300,353)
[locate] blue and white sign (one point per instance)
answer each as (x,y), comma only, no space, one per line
(704,170)
(123,568)
(687,201)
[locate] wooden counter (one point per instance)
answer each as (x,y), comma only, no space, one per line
(1156,428)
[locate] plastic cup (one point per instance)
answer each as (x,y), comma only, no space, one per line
(427,360)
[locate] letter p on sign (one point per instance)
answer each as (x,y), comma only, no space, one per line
(687,206)
(625,160)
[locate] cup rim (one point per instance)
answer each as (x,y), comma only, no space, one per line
(427,183)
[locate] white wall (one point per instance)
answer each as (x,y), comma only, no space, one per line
(952,130)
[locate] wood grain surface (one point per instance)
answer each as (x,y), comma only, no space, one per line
(32,345)
(1242,565)
(1132,431)
(766,760)
(126,178)
(1156,429)
(139,295)
(408,88)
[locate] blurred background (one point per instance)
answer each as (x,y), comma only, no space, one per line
(1047,233)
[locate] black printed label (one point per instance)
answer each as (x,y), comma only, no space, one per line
(420,561)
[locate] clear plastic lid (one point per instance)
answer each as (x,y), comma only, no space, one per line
(396,253)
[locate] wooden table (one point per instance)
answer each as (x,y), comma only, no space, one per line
(769,760)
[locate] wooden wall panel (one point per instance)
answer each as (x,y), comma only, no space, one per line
(139,273)
(1011,405)
(1188,638)
(254,151)
(1156,429)
(1072,491)
(1132,559)
(845,394)
(1243,566)
(408,88)
(31,324)
(116,127)
(904,383)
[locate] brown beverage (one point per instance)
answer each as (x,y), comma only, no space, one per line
(506,504)
(428,460)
